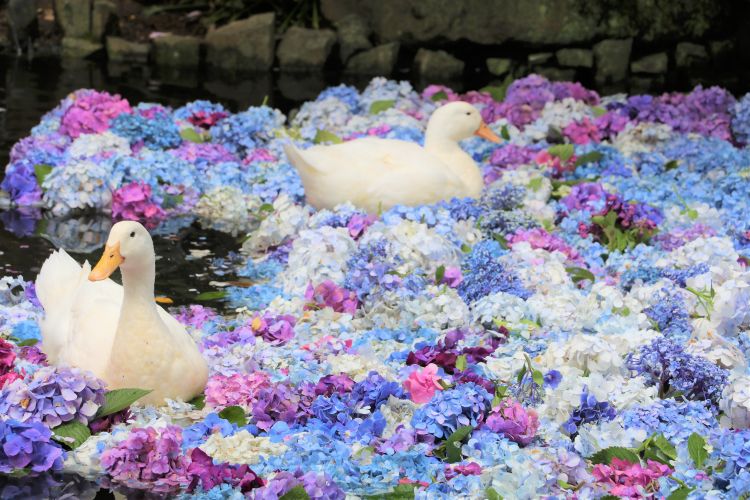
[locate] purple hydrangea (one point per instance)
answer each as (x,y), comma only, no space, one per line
(53,395)
(589,411)
(484,274)
(204,473)
(317,486)
(27,444)
(277,403)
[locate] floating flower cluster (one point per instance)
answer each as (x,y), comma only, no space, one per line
(580,331)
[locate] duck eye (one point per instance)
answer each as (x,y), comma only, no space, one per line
(468,113)
(132,235)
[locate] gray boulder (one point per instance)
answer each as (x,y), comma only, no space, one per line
(437,65)
(79,48)
(74,17)
(176,51)
(539,58)
(243,45)
(121,50)
(499,66)
(302,48)
(612,60)
(690,54)
(721,51)
(353,34)
(21,15)
(103,17)
(655,64)
(575,58)
(380,60)
(557,74)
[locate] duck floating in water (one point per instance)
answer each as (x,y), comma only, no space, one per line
(118,332)
(376,174)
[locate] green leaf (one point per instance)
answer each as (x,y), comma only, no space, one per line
(598,111)
(538,377)
(439,274)
(671,164)
(213,295)
(438,96)
(453,443)
(199,402)
(27,342)
(680,493)
(562,151)
(296,493)
(579,274)
(589,157)
(606,455)
(465,248)
(72,434)
(326,136)
(380,106)
(461,362)
(500,239)
(41,171)
(492,494)
(504,133)
(189,134)
(400,492)
(234,415)
(697,449)
(119,399)
(535,184)
(498,91)
(665,446)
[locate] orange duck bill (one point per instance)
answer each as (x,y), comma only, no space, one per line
(485,133)
(110,260)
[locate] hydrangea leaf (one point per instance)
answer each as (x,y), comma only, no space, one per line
(680,493)
(579,274)
(590,157)
(492,494)
(380,106)
(234,415)
(189,134)
(400,492)
(326,136)
(212,295)
(72,434)
(296,493)
(606,455)
(119,399)
(439,96)
(41,171)
(453,443)
(697,449)
(562,151)
(199,402)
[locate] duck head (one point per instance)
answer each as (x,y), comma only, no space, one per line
(129,246)
(457,121)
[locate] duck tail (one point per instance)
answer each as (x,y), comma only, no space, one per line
(59,274)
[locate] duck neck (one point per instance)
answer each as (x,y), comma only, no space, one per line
(138,287)
(456,159)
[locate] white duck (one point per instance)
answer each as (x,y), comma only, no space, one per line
(376,174)
(118,332)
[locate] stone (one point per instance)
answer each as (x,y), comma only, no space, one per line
(21,17)
(557,74)
(74,17)
(645,84)
(575,58)
(539,22)
(499,66)
(354,35)
(437,65)
(177,51)
(303,48)
(121,50)
(721,51)
(103,18)
(655,64)
(79,48)
(539,58)
(245,45)
(297,86)
(612,59)
(690,54)
(380,60)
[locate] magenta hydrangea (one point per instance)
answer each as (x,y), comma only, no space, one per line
(512,420)
(148,459)
(539,238)
(205,474)
(237,389)
(328,294)
(134,202)
(91,112)
(276,330)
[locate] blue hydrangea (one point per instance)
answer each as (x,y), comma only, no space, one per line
(26,330)
(207,108)
(260,271)
(375,390)
(369,270)
(255,297)
(197,433)
(344,93)
(589,411)
(156,130)
(466,404)
(732,447)
(484,274)
(670,314)
(660,416)
(248,130)
(741,119)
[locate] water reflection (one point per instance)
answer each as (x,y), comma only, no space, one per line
(60,486)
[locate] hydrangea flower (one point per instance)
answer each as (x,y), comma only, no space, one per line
(91,112)
(28,445)
(466,404)
(422,384)
(512,420)
(629,480)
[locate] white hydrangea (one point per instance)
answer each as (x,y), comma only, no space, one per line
(85,460)
(228,209)
(79,184)
(505,362)
(540,270)
(503,306)
(604,434)
(286,220)
(397,412)
(707,343)
(735,403)
(440,308)
(357,367)
(698,213)
(591,353)
(556,311)
(318,255)
(102,144)
(714,251)
(241,448)
(328,114)
(558,114)
(642,138)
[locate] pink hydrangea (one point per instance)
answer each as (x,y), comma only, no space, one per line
(554,163)
(328,294)
(582,132)
(7,356)
(195,316)
(469,469)
(432,90)
(515,422)
(237,389)
(630,480)
(539,238)
(133,202)
(452,276)
(358,224)
(91,112)
(259,155)
(149,459)
(423,383)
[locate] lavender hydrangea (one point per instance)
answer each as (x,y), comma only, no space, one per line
(589,411)
(28,445)
(369,270)
(317,486)
(466,404)
(670,314)
(665,363)
(484,274)
(53,395)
